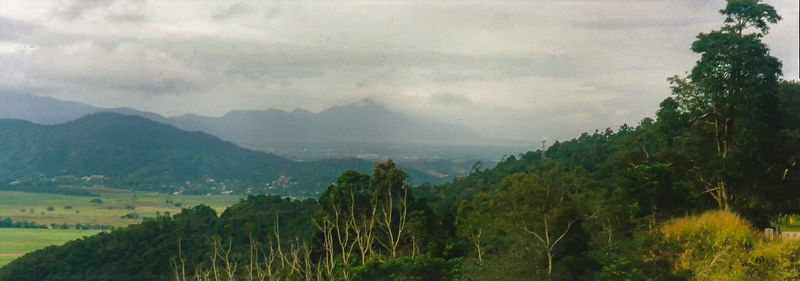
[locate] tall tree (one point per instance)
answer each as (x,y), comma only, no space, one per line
(730,99)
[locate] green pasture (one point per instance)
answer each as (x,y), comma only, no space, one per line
(15,242)
(59,209)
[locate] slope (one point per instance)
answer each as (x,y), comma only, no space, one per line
(133,152)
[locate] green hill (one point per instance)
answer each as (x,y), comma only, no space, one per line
(132,152)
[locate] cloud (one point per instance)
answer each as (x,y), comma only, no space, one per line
(621,24)
(127,67)
(451,99)
(518,69)
(11,29)
(231,11)
(75,9)
(134,17)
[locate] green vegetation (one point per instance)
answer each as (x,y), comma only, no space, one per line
(681,197)
(15,242)
(147,251)
(114,150)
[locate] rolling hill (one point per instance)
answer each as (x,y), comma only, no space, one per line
(126,151)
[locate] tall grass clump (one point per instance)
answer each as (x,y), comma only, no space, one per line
(711,246)
(774,260)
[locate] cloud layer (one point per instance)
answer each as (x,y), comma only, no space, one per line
(522,70)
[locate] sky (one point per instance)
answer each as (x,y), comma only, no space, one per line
(526,70)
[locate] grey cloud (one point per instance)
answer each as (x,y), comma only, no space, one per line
(447,76)
(266,71)
(128,17)
(380,76)
(451,99)
(11,29)
(77,8)
(231,11)
(135,68)
(615,24)
(129,11)
(553,66)
(253,60)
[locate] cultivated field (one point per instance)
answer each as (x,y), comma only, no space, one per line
(115,207)
(15,242)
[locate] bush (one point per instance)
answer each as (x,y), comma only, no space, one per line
(711,246)
(779,260)
(421,268)
(96,200)
(635,259)
(130,216)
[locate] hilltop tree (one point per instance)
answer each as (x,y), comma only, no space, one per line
(730,100)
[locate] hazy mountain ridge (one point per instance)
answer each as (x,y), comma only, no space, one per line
(339,131)
(364,121)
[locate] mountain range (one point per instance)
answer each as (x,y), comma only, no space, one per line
(363,129)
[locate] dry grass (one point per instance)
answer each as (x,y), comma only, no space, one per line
(712,246)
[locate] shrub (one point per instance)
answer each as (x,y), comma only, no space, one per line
(421,268)
(778,260)
(711,246)
(130,216)
(635,259)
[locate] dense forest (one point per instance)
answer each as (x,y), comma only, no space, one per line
(677,197)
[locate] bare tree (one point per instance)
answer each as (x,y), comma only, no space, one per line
(546,242)
(394,236)
(363,228)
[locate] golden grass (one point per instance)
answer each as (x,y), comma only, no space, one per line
(712,246)
(722,226)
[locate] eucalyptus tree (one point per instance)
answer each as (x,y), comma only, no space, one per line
(729,97)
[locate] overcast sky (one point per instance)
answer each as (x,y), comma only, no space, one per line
(527,70)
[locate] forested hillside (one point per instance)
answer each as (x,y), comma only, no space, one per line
(136,153)
(682,196)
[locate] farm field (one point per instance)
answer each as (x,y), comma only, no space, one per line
(114,207)
(15,242)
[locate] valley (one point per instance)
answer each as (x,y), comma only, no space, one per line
(110,208)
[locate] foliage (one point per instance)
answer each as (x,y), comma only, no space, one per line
(778,260)
(147,250)
(423,268)
(8,223)
(155,157)
(711,246)
(730,101)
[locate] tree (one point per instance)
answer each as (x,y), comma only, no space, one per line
(473,220)
(387,185)
(730,100)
